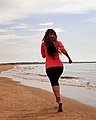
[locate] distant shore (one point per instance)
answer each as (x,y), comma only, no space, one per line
(28,103)
(17,63)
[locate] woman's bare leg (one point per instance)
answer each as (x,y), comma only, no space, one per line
(56,90)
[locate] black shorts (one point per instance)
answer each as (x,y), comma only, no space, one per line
(54,73)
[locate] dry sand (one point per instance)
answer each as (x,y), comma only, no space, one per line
(5,67)
(19,102)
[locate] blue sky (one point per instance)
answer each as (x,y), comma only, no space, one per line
(23,24)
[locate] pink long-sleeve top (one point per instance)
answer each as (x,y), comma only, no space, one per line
(52,61)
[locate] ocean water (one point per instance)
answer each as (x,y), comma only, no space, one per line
(78,80)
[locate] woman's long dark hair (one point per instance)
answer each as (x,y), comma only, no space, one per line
(50,42)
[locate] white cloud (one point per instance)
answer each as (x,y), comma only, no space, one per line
(58,30)
(3,30)
(92,22)
(20,26)
(46,24)
(9,37)
(17,9)
(93,19)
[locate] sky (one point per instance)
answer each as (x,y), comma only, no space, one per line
(23,25)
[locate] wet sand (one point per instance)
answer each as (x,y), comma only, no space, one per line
(19,102)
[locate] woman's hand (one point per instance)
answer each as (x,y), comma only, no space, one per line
(70,61)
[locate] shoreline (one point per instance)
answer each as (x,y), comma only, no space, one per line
(23,102)
(82,94)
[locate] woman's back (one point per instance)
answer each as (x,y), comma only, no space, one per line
(52,61)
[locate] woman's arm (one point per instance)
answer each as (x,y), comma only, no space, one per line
(42,50)
(63,50)
(70,61)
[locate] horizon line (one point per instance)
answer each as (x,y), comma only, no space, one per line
(43,62)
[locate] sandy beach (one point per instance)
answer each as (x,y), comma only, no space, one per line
(19,102)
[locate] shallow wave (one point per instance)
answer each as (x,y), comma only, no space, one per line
(78,82)
(42,75)
(75,81)
(27,73)
(69,77)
